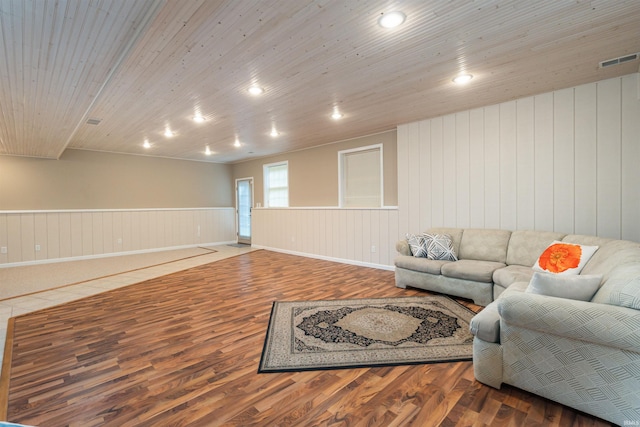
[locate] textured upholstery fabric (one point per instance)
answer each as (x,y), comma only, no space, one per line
(402,247)
(582,239)
(469,269)
(480,292)
(512,274)
(622,288)
(484,245)
(486,324)
(424,265)
(611,255)
(487,362)
(580,320)
(526,246)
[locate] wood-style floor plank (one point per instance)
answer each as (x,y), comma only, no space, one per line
(184,349)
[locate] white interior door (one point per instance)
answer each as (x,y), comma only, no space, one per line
(244,202)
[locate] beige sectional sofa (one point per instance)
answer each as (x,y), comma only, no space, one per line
(584,354)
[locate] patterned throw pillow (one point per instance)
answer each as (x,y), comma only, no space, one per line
(416,243)
(440,246)
(564,258)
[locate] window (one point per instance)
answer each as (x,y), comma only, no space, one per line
(276,185)
(360,177)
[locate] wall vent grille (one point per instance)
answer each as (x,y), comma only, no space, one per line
(619,60)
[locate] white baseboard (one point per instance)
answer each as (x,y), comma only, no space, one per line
(111,254)
(326,258)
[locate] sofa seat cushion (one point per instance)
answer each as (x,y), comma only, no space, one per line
(486,324)
(468,269)
(423,265)
(511,274)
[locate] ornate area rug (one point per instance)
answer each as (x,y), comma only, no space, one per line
(313,335)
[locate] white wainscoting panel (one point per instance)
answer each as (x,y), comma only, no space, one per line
(355,236)
(79,233)
(566,161)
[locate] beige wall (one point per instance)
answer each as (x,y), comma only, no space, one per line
(313,173)
(93,180)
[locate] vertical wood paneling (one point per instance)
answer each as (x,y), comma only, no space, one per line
(492,167)
(65,235)
(27,236)
(14,238)
(414,152)
(630,136)
(53,235)
(437,173)
(449,175)
(349,234)
(609,160)
(525,152)
(586,163)
(4,238)
(476,168)
(564,161)
(424,175)
(107,233)
(40,235)
(544,162)
(97,228)
(463,163)
(404,184)
(508,173)
(76,234)
(68,234)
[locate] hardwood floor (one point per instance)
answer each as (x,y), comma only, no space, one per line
(183,349)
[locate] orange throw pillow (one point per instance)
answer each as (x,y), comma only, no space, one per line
(564,258)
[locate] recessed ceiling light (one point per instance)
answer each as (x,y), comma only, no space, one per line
(462,79)
(168,132)
(207,151)
(198,118)
(336,115)
(274,132)
(391,19)
(237,143)
(256,90)
(146,144)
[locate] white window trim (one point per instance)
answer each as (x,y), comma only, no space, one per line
(265,174)
(341,154)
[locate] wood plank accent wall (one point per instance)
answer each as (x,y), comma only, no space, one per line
(86,233)
(567,161)
(345,235)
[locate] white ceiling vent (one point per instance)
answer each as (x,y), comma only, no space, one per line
(619,60)
(94,121)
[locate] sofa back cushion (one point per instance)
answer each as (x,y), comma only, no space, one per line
(525,246)
(484,244)
(454,233)
(622,288)
(612,254)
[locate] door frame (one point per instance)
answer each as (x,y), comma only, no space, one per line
(251,183)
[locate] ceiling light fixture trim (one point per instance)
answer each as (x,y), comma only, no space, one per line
(392,19)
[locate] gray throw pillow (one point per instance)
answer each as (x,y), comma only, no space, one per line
(570,287)
(416,243)
(440,246)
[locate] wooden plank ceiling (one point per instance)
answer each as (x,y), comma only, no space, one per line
(142,67)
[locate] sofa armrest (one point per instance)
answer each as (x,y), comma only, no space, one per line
(402,246)
(603,324)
